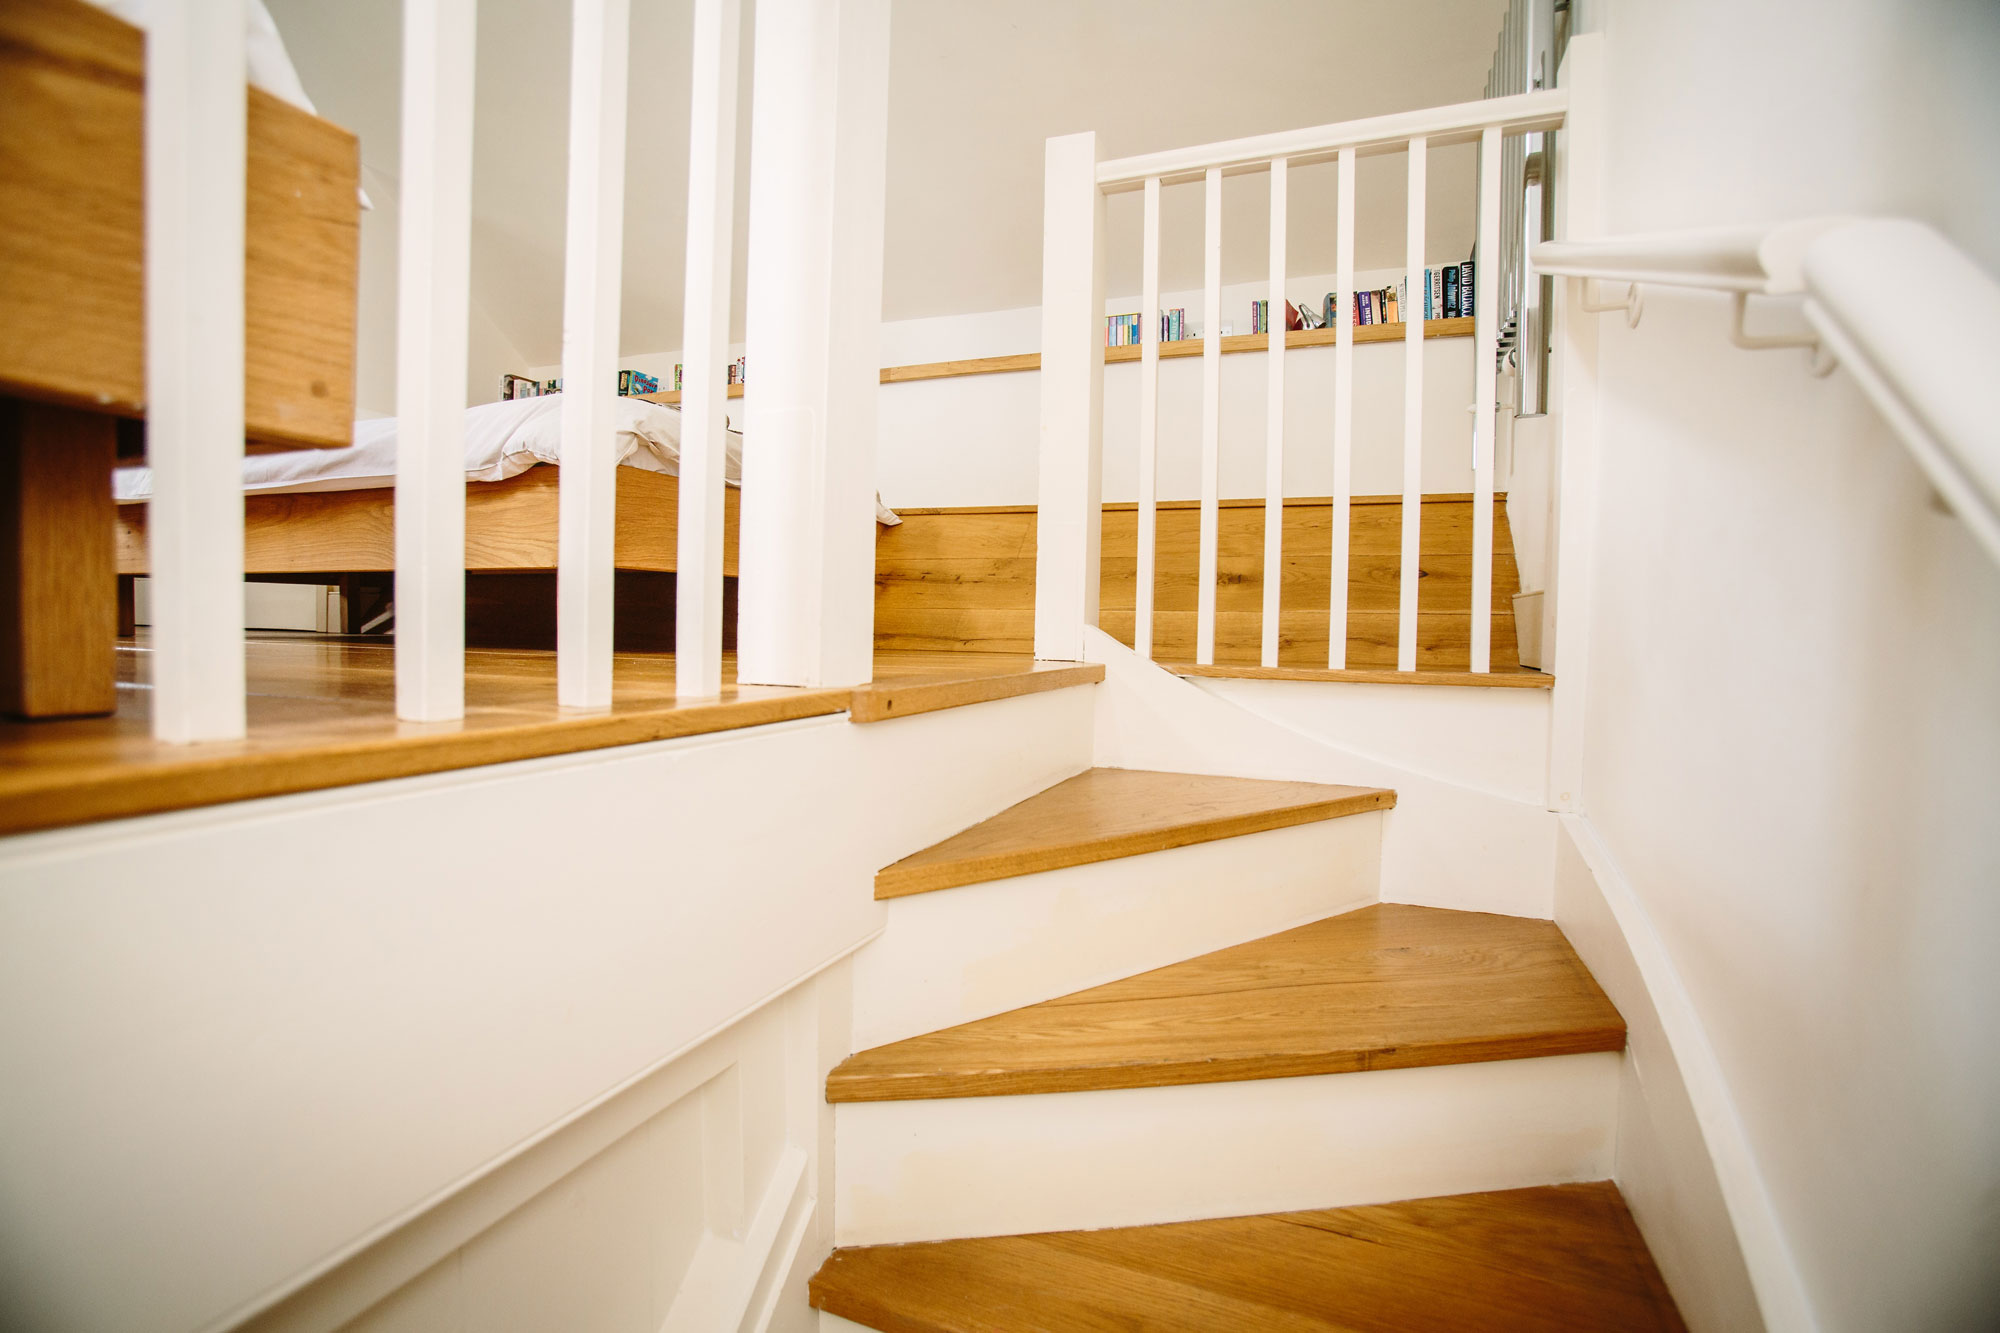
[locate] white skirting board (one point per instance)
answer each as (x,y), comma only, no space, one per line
(981,1166)
(1448,843)
(958,954)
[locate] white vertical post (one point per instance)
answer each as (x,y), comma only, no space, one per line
(819,129)
(717,38)
(1485,386)
(587,490)
(1149,422)
(1343,413)
(1580,171)
(195,164)
(1274,426)
(1413,419)
(1069,521)
(1211,419)
(433,287)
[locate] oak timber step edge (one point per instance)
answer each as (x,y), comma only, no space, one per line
(1382,987)
(1556,1257)
(909,696)
(1105,813)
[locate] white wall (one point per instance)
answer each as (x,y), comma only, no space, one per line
(1793,734)
(970,440)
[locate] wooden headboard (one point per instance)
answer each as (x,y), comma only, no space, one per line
(72,227)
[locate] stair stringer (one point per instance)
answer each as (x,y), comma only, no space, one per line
(1444,845)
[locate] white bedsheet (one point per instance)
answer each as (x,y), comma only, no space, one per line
(502,440)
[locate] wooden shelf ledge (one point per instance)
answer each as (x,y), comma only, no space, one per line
(1516,680)
(1235,343)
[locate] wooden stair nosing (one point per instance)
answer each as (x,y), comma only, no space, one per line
(1383,987)
(937,867)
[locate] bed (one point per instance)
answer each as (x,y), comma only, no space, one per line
(329,517)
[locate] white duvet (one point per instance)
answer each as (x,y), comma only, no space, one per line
(502,440)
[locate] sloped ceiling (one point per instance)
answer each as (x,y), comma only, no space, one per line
(975,89)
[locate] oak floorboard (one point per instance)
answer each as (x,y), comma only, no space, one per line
(1382,987)
(1558,1257)
(1105,813)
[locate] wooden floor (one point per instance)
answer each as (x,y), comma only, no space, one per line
(1106,813)
(1561,1257)
(1383,987)
(322,714)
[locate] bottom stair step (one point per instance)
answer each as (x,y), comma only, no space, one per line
(1556,1257)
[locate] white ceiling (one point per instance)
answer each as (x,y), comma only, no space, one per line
(975,88)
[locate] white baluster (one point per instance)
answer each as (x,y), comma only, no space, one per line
(1274,426)
(1486,325)
(1343,412)
(433,286)
(1069,511)
(1149,422)
(587,491)
(716,43)
(195,163)
(1211,418)
(1413,419)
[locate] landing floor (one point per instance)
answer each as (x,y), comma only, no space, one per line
(322,714)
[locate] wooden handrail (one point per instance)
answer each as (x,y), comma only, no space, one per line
(1242,342)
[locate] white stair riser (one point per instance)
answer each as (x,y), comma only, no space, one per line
(958,954)
(833,1323)
(984,1166)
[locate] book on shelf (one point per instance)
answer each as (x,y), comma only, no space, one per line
(518,386)
(631,382)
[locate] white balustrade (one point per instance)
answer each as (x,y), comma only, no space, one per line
(196,137)
(594,235)
(698,582)
(434,275)
(1073,321)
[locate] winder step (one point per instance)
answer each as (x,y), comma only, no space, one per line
(1382,987)
(1106,813)
(1562,1257)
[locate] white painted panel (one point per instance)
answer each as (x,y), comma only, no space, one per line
(982,1166)
(711,233)
(195,146)
(594,241)
(433,297)
(243,1060)
(959,954)
(1069,523)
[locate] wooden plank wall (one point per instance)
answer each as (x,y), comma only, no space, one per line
(965,579)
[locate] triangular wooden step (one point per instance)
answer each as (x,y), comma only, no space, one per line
(1106,813)
(1383,987)
(1562,1257)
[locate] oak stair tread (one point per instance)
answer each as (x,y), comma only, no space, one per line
(1560,1257)
(1105,813)
(1382,987)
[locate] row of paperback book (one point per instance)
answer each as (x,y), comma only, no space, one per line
(1447,294)
(630,382)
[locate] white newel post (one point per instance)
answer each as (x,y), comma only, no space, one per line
(196,140)
(818,141)
(1069,522)
(434,278)
(1573,402)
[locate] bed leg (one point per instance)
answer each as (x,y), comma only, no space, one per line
(58,571)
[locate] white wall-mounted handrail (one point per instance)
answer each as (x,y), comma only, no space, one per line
(1921,366)
(1464,122)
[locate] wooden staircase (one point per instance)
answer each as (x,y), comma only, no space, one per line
(1158,1141)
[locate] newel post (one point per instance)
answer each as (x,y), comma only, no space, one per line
(1069,529)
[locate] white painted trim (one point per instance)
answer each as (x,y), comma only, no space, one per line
(433,295)
(1211,418)
(1343,412)
(587,494)
(196,140)
(1485,373)
(1149,423)
(1413,415)
(722,1282)
(1781,1292)
(1274,423)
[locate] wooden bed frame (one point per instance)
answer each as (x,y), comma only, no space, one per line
(72,324)
(349,538)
